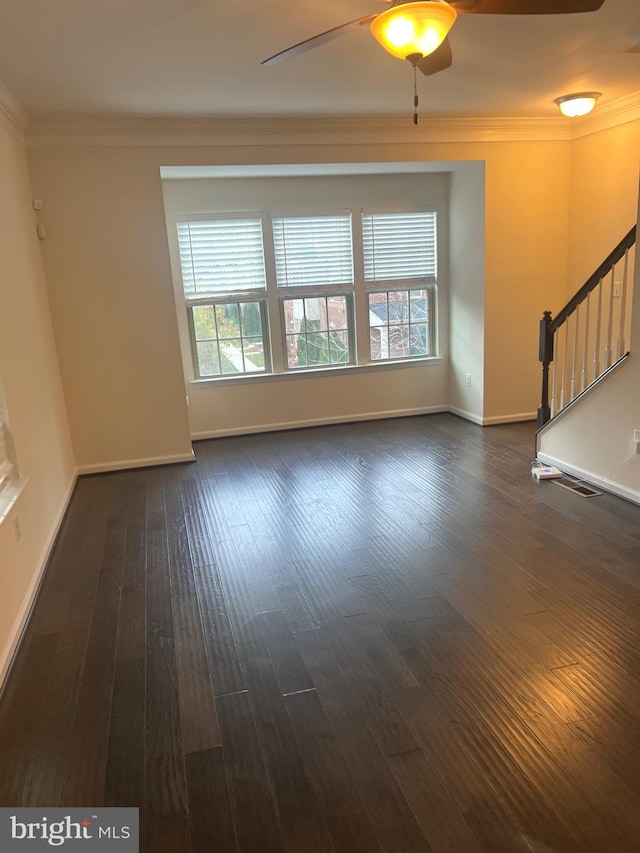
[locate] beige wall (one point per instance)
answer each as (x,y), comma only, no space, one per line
(594,439)
(107,266)
(466,290)
(603,198)
(527,227)
(31,381)
(109,277)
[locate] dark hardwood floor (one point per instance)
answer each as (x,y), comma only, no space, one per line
(359,638)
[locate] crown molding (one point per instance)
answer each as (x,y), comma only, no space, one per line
(233,131)
(615,113)
(288,130)
(12,117)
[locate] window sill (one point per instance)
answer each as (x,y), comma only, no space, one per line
(317,372)
(9,495)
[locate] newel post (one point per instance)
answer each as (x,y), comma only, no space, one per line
(545,356)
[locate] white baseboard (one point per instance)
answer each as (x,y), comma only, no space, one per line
(20,623)
(510,419)
(468,416)
(593,479)
(496,419)
(311,422)
(122,465)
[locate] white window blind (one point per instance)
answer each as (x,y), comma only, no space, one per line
(399,246)
(5,464)
(313,251)
(221,256)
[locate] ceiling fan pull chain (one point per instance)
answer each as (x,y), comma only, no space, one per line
(415,96)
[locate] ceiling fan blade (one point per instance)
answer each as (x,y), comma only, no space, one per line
(436,61)
(316,41)
(525,7)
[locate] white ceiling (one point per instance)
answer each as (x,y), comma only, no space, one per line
(201,58)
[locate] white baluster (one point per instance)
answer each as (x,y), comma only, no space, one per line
(596,346)
(576,331)
(554,380)
(607,349)
(563,389)
(620,347)
(585,347)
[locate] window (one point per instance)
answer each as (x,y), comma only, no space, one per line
(317,331)
(224,281)
(250,280)
(399,252)
(314,257)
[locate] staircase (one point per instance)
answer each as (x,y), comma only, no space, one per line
(588,337)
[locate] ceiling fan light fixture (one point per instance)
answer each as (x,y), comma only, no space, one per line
(414,28)
(578,104)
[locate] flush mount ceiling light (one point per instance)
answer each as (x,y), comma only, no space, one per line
(578,104)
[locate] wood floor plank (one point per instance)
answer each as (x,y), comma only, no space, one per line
(219,639)
(167,837)
(250,789)
(386,807)
(343,811)
(303,826)
(442,824)
(289,667)
(164,776)
(125,770)
(84,780)
(51,741)
(198,716)
(210,817)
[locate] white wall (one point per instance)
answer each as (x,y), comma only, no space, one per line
(33,392)
(109,277)
(225,406)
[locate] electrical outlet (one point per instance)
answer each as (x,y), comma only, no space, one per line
(16,528)
(468,380)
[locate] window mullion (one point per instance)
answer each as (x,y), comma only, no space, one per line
(360,330)
(274,306)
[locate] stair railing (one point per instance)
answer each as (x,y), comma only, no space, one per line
(586,347)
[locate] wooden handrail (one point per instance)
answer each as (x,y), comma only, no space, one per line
(592,282)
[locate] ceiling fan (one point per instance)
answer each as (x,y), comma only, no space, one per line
(418,31)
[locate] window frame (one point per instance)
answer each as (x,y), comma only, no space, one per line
(290,292)
(234,299)
(431,289)
(429,283)
(315,294)
(229,297)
